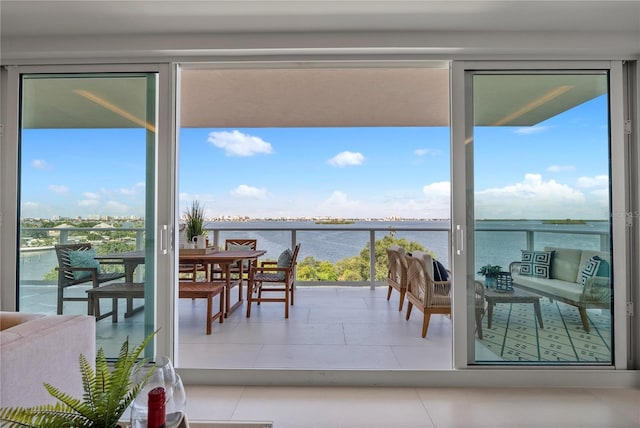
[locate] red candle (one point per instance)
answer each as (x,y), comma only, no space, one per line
(157,410)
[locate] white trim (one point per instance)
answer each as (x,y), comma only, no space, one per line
(164,202)
(9,189)
(619,208)
(462,135)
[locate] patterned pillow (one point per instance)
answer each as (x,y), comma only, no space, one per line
(83,258)
(536,263)
(590,269)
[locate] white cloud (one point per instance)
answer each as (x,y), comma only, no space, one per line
(561,168)
(236,143)
(437,200)
(55,188)
(599,181)
(531,130)
(244,191)
(338,204)
(425,152)
(40,164)
(88,203)
(91,195)
(136,189)
(346,158)
(115,206)
(535,198)
(29,204)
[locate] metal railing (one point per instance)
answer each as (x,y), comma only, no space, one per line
(435,238)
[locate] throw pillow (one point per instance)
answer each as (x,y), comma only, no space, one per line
(604,269)
(439,271)
(536,263)
(591,269)
(83,258)
(284,261)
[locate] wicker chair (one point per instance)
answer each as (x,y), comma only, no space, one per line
(397,274)
(429,296)
(66,277)
(278,277)
(480,306)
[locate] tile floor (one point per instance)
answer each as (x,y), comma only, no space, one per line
(328,328)
(347,407)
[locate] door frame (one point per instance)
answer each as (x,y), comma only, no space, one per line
(163,274)
(462,233)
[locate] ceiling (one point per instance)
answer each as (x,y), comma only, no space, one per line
(144,17)
(302,97)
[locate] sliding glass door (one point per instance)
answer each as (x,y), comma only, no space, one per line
(86,182)
(536,232)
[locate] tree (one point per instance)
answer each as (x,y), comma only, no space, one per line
(355,268)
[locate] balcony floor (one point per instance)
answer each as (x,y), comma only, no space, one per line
(328,328)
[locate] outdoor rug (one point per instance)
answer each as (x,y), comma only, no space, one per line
(516,336)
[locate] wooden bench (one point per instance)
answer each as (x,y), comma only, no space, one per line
(205,290)
(115,291)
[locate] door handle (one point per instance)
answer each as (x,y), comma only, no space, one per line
(164,239)
(459,239)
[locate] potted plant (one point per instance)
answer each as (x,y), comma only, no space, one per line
(107,395)
(490,273)
(194,217)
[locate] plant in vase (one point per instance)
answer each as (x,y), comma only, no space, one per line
(107,395)
(490,273)
(194,218)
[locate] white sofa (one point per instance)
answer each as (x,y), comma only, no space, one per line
(564,283)
(35,349)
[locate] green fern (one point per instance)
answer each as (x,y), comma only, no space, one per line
(107,395)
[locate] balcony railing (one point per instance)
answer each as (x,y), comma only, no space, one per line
(324,242)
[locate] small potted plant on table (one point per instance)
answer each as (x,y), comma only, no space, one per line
(490,273)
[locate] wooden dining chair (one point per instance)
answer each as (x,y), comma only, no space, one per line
(236,244)
(397,272)
(429,296)
(273,277)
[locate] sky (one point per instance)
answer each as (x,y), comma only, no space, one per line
(555,169)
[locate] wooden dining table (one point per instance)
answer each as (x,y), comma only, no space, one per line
(208,257)
(225,259)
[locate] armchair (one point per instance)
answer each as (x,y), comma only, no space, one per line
(429,296)
(76,266)
(397,274)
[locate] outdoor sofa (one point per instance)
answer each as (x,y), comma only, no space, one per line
(580,278)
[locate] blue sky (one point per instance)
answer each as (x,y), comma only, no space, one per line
(556,169)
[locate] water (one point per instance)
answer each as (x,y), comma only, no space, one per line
(492,247)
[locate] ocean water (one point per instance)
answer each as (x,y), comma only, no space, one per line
(496,242)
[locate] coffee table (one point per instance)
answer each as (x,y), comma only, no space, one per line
(514,296)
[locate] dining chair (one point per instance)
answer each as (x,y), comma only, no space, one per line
(429,296)
(397,272)
(274,277)
(236,244)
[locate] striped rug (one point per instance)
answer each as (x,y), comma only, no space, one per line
(516,336)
